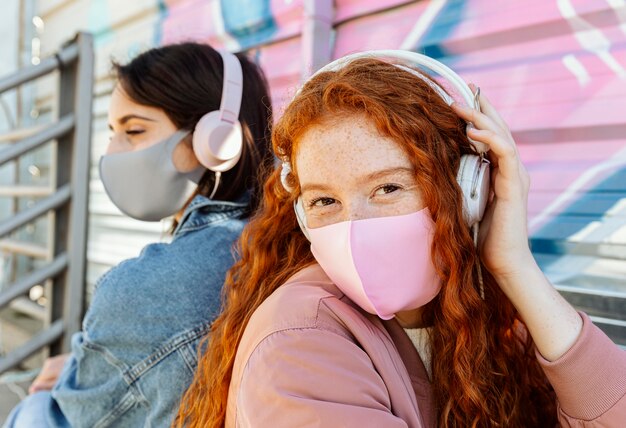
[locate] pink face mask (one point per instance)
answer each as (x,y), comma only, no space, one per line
(382,264)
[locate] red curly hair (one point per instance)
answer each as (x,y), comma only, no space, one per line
(485,372)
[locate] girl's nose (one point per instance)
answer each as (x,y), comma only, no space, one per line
(357,210)
(116,144)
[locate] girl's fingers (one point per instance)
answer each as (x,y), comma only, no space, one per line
(487,108)
(490,129)
(487,129)
(41,386)
(490,111)
(478,119)
(501,146)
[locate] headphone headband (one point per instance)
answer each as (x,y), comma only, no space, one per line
(232,87)
(412,58)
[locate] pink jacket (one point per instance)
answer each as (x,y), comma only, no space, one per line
(311,358)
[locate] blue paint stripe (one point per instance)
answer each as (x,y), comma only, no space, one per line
(250,22)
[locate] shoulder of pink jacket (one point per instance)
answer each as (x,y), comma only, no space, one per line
(302,302)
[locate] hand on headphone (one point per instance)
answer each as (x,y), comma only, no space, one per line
(503,238)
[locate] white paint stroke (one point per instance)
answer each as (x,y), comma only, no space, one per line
(577,69)
(590,38)
(616,161)
(423,24)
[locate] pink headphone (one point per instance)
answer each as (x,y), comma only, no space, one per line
(217,138)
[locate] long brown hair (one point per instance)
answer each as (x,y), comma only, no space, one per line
(484,372)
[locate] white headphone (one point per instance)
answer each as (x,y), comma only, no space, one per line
(473,173)
(217,138)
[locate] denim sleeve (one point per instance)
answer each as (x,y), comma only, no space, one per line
(97,395)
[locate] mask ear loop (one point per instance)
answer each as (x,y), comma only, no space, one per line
(216,183)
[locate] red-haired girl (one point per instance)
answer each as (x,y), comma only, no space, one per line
(378,309)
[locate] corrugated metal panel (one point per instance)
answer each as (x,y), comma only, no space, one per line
(555,69)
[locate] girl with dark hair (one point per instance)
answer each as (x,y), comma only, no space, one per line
(190,137)
(362,299)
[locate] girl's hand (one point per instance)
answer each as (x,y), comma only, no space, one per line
(49,374)
(503,238)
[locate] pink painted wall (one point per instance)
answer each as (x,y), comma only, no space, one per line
(556,70)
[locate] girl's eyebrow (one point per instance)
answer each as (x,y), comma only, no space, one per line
(128,117)
(122,120)
(387,172)
(314,186)
(377,175)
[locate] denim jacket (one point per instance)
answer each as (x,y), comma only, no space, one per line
(137,352)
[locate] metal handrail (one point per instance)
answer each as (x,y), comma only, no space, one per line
(56,130)
(17,190)
(53,201)
(34,251)
(67,199)
(42,339)
(18,134)
(22,286)
(46,66)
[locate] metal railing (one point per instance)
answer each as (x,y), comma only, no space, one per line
(67,200)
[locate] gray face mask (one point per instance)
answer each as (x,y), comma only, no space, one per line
(145,184)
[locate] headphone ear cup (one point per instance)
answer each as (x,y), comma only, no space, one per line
(473,178)
(217,144)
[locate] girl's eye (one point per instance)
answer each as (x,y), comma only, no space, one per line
(321,202)
(134,131)
(387,188)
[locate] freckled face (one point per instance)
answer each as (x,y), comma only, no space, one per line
(348,171)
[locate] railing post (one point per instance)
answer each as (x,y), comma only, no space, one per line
(73,157)
(64,276)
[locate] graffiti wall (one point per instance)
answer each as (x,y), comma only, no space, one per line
(555,69)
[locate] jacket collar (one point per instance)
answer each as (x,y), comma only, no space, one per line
(415,367)
(409,354)
(202,211)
